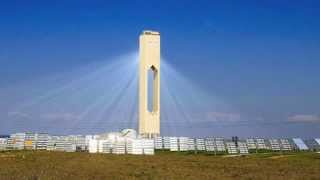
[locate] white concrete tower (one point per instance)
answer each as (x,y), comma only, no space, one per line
(149,119)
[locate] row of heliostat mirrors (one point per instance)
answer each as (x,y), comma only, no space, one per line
(223,145)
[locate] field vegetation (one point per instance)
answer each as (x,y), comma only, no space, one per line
(163,165)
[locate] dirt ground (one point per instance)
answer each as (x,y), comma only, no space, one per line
(163,165)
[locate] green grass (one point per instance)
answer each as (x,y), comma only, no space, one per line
(163,165)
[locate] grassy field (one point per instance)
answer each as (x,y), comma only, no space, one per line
(163,165)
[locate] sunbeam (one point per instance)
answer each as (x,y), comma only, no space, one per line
(103,97)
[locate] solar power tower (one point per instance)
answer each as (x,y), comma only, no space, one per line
(149,118)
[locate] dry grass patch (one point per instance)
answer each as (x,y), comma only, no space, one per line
(164,165)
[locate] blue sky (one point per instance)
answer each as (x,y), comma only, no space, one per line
(261,57)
